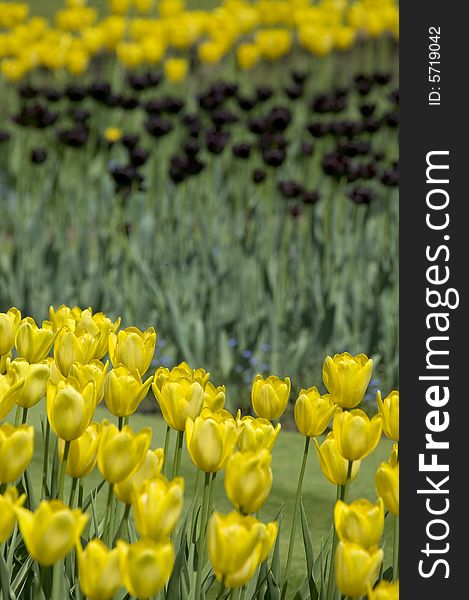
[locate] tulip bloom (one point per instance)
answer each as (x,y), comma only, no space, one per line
(52,531)
(175,69)
(83,452)
(9,322)
(157,505)
(389,410)
(248,480)
(385,590)
(71,347)
(387,483)
(10,386)
(214,397)
(356,435)
(145,566)
(334,466)
(150,469)
(35,378)
(98,570)
(133,348)
(356,568)
(210,439)
(313,412)
(270,396)
(360,522)
(70,407)
(179,400)
(32,342)
(256,433)
(124,390)
(8,501)
(16,451)
(121,453)
(94,371)
(346,378)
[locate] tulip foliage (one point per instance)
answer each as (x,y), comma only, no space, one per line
(151,541)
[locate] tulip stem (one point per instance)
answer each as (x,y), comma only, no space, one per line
(80,493)
(120,423)
(395,551)
(45,462)
(63,468)
(123,524)
(17,415)
(57,591)
(177,453)
(166,447)
(73,490)
(221,591)
(295,517)
(25,416)
(201,540)
(107,516)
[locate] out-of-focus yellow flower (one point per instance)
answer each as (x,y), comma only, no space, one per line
(51,531)
(32,342)
(120,7)
(248,480)
(16,451)
(171,8)
(175,69)
(356,434)
(8,501)
(273,43)
(9,322)
(389,410)
(121,453)
(13,69)
(360,522)
(334,466)
(10,386)
(346,378)
(94,372)
(99,571)
(356,568)
(210,439)
(77,61)
(35,378)
(178,400)
(256,433)
(153,50)
(112,134)
(313,412)
(385,590)
(214,397)
(145,566)
(150,469)
(74,347)
(133,348)
(157,505)
(270,396)
(248,55)
(124,390)
(143,6)
(343,37)
(237,545)
(70,407)
(83,452)
(210,52)
(130,54)
(387,482)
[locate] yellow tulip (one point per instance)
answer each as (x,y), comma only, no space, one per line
(95,371)
(83,452)
(273,43)
(124,390)
(133,348)
(8,501)
(16,451)
(346,378)
(150,469)
(343,37)
(121,453)
(99,571)
(210,439)
(270,396)
(64,316)
(145,566)
(51,531)
(32,342)
(179,400)
(210,52)
(356,568)
(34,377)
(389,410)
(313,412)
(112,134)
(10,386)
(387,483)
(175,69)
(105,326)
(256,433)
(9,322)
(356,435)
(248,56)
(334,466)
(71,347)
(70,407)
(214,397)
(248,480)
(360,522)
(4,362)
(157,505)
(385,590)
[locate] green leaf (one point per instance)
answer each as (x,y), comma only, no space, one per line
(308,545)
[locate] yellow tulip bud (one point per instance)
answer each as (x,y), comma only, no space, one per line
(356,435)
(10,386)
(121,453)
(175,69)
(346,378)
(124,390)
(385,590)
(133,348)
(356,568)
(72,347)
(98,570)
(179,400)
(112,134)
(214,397)
(248,56)
(360,522)
(52,531)
(8,501)
(16,451)
(313,412)
(83,452)
(150,469)
(256,433)
(35,378)
(70,407)
(334,466)
(94,372)
(210,439)
(32,342)
(157,505)
(145,566)
(9,322)
(389,410)
(248,480)
(270,396)
(387,483)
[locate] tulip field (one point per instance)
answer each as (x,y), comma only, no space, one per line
(199,300)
